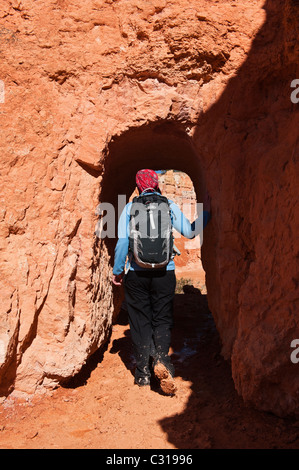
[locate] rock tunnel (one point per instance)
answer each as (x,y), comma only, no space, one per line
(206,91)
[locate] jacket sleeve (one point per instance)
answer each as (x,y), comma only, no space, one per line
(184,226)
(122,246)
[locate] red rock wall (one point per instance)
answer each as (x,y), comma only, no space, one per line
(95,91)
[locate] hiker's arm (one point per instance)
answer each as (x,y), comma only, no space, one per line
(184,226)
(122,246)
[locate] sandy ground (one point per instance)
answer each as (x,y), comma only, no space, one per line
(102,408)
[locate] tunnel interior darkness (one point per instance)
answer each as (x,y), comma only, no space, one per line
(160,145)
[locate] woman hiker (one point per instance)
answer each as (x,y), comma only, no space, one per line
(150,290)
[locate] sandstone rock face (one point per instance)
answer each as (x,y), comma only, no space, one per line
(178,187)
(93,91)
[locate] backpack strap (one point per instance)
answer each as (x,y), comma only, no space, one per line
(147,189)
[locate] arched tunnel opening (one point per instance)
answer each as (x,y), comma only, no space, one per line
(159,145)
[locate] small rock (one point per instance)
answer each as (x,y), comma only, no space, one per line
(32,435)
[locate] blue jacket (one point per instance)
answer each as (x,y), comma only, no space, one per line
(179,222)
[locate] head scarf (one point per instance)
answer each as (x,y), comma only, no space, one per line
(147,179)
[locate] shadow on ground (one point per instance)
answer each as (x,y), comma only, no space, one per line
(215,416)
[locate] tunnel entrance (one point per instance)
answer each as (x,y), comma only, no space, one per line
(160,145)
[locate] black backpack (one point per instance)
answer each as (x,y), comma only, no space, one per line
(151,237)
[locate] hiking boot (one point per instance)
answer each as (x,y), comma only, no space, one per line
(142,381)
(165,376)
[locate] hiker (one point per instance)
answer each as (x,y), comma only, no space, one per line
(149,279)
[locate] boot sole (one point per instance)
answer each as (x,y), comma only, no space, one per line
(167,382)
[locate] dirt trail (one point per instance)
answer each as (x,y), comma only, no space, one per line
(102,409)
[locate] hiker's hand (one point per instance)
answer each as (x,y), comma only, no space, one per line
(207,202)
(117,279)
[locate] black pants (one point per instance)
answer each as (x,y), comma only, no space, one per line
(149,297)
